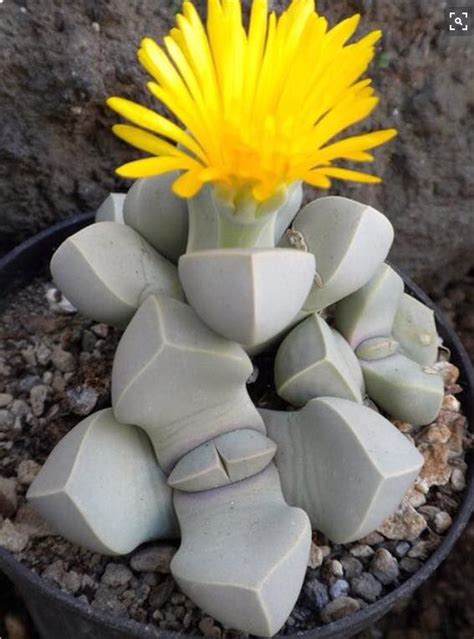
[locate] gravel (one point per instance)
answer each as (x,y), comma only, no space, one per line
(362,551)
(339,608)
(156,558)
(6,419)
(82,400)
(339,588)
(367,587)
(38,396)
(161,593)
(27,471)
(402,548)
(67,375)
(8,497)
(352,566)
(384,566)
(5,399)
(12,539)
(442,521)
(63,360)
(116,575)
(316,594)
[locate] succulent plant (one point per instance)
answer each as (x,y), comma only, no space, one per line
(88,475)
(199,283)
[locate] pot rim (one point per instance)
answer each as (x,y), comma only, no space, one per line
(25,258)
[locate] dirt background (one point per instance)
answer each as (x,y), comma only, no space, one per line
(60,59)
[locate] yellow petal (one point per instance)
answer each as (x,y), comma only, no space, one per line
(155,122)
(154,166)
(187,185)
(316,178)
(355,143)
(145,141)
(348,174)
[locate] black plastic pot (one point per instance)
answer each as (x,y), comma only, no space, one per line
(61,616)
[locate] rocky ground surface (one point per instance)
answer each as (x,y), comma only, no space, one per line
(55,369)
(60,60)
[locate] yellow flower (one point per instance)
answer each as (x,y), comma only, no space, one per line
(257,107)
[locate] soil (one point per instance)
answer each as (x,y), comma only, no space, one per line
(70,359)
(60,60)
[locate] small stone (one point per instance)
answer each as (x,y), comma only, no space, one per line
(157,616)
(442,521)
(153,559)
(352,566)
(326,550)
(5,399)
(456,442)
(106,599)
(416,497)
(316,594)
(58,303)
(8,497)
(43,354)
(88,341)
(31,523)
(58,383)
(6,420)
(372,539)
(27,471)
(101,330)
(361,551)
(29,357)
(72,582)
(315,556)
(88,583)
(161,593)
(208,627)
(450,403)
(339,588)
(405,523)
(429,511)
(12,539)
(335,567)
(338,608)
(409,565)
(435,434)
(15,627)
(423,549)
(27,382)
(367,587)
(82,400)
(55,572)
(458,481)
(116,575)
(38,397)
(331,570)
(151,578)
(384,566)
(403,427)
(20,408)
(436,470)
(47,377)
(63,360)
(448,371)
(402,548)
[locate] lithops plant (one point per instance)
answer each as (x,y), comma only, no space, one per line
(109,453)
(198,266)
